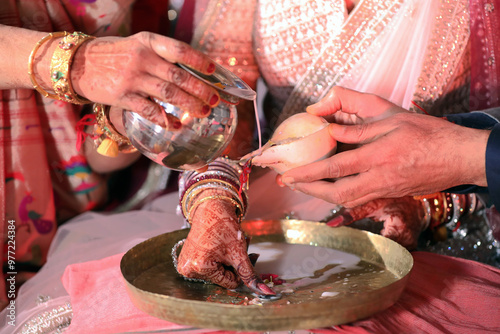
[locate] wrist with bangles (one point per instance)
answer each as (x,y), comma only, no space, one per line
(60,66)
(220,182)
(108,140)
(223,181)
(213,194)
(443,211)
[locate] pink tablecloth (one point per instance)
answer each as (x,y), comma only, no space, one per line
(444,295)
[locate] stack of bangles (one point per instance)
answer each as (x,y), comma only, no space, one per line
(60,66)
(446,209)
(108,140)
(222,179)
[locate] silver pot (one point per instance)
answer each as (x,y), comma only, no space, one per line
(200,140)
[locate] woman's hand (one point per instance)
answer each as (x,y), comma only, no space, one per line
(402,217)
(216,249)
(127,72)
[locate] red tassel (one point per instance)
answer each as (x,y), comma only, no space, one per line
(80,130)
(247,167)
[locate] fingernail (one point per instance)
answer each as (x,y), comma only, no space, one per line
(330,128)
(287,180)
(171,122)
(177,125)
(202,169)
(280,181)
(211,68)
(253,258)
(311,108)
(214,100)
(205,111)
(345,219)
(265,289)
(337,221)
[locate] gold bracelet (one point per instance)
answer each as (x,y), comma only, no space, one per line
(192,196)
(110,142)
(185,203)
(61,65)
(221,197)
(31,60)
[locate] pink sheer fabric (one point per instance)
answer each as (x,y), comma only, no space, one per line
(443,295)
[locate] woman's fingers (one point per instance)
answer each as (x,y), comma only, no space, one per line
(172,84)
(128,72)
(145,107)
(183,80)
(211,271)
(239,259)
(250,278)
(170,93)
(179,52)
(224,277)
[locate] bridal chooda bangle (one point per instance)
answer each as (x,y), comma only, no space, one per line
(443,211)
(109,141)
(223,179)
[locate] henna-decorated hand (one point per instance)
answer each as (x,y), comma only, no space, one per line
(127,72)
(402,217)
(216,249)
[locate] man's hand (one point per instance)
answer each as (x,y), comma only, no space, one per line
(399,155)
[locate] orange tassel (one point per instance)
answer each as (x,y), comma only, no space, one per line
(108,148)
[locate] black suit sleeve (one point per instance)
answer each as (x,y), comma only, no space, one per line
(487,119)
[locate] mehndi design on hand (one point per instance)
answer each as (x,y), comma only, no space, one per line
(216,249)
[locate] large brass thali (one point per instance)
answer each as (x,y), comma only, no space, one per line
(376,283)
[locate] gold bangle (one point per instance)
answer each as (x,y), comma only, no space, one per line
(221,197)
(32,58)
(184,202)
(110,141)
(61,64)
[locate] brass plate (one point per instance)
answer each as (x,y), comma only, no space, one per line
(155,287)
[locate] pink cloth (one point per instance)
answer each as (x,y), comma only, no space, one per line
(100,301)
(485,52)
(444,295)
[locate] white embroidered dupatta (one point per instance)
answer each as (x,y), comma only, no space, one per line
(402,50)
